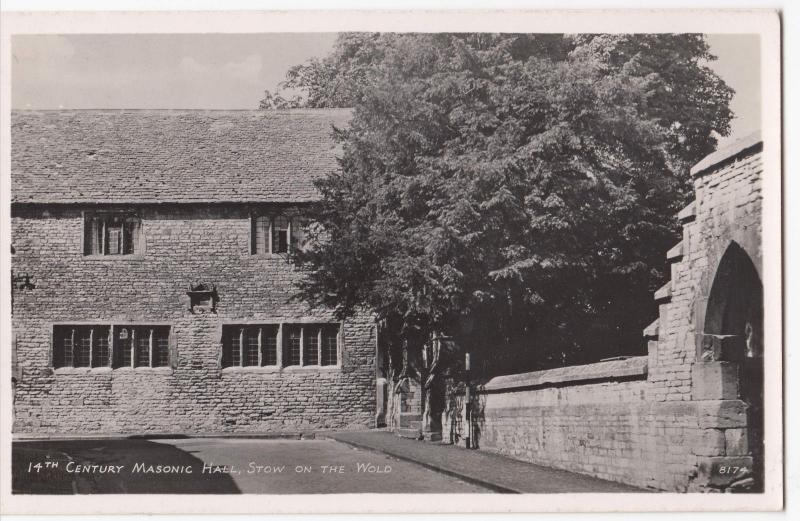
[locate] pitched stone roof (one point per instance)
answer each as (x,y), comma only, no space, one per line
(142,156)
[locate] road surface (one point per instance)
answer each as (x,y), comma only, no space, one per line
(219,465)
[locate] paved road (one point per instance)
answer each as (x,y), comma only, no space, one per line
(497,472)
(219,465)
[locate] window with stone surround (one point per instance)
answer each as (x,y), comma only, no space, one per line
(109,234)
(114,346)
(250,345)
(299,345)
(141,346)
(271,234)
(311,345)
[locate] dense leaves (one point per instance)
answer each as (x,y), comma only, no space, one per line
(515,191)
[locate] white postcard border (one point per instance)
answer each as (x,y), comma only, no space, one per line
(707,21)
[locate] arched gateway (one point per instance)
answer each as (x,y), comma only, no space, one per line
(734,334)
(711,321)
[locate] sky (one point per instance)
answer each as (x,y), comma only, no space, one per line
(205,71)
(231,71)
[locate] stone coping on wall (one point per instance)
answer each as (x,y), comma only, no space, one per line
(729,152)
(627,368)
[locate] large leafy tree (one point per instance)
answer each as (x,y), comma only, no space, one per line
(515,191)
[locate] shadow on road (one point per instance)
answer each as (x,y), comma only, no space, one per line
(60,463)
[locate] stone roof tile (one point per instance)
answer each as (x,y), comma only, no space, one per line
(141,156)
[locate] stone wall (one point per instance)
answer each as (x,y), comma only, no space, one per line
(680,417)
(593,419)
(183,243)
(723,221)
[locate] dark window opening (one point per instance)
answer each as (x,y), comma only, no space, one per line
(299,344)
(63,346)
(249,346)
(293,339)
(270,347)
(142,348)
(111,234)
(80,346)
(110,346)
(311,340)
(123,340)
(280,237)
(252,346)
(102,351)
(330,345)
(320,343)
(161,347)
(271,234)
(83,347)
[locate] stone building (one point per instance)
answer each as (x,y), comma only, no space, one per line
(152,290)
(688,416)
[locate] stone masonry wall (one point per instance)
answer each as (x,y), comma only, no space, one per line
(607,429)
(195,395)
(593,419)
(727,209)
(725,214)
(675,424)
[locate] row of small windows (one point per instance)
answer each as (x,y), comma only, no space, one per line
(285,345)
(262,345)
(121,234)
(110,346)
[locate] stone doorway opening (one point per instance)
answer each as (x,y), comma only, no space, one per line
(734,332)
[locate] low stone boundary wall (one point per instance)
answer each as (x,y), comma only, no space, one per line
(611,370)
(594,419)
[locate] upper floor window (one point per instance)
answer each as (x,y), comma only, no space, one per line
(272,234)
(281,234)
(111,234)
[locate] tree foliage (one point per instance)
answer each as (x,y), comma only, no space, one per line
(515,191)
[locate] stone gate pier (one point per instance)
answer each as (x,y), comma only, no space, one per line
(689,415)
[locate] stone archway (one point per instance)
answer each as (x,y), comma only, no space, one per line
(733,333)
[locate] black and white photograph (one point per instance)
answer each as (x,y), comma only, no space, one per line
(382,261)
